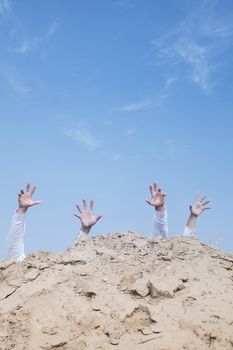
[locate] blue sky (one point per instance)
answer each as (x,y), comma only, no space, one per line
(99,98)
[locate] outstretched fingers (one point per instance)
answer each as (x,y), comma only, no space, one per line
(36,202)
(151,190)
(77,216)
(84,204)
(28,187)
(78,207)
(155,186)
(98,217)
(203,198)
(206,208)
(33,190)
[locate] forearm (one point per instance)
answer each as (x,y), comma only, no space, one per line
(15,238)
(192,221)
(83,233)
(159,223)
(190,227)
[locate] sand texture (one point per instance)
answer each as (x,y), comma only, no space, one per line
(119,291)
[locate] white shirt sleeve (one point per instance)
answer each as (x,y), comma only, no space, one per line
(159,224)
(15,238)
(80,235)
(188,233)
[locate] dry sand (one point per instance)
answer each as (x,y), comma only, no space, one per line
(120,291)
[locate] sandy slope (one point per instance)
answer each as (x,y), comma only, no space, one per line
(121,291)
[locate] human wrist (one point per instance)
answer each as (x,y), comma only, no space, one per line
(85,229)
(192,220)
(193,216)
(21,210)
(160,208)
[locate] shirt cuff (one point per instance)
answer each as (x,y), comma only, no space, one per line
(21,258)
(160,214)
(18,216)
(188,233)
(81,235)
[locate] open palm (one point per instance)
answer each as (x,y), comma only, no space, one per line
(157,196)
(200,205)
(86,216)
(25,197)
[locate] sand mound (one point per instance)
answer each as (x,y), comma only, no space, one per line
(120,291)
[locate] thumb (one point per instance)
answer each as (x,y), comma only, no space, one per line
(77,216)
(148,201)
(36,202)
(98,217)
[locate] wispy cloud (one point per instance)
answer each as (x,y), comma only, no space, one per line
(136,106)
(17,85)
(153,101)
(196,43)
(116,157)
(4,6)
(84,137)
(124,4)
(13,79)
(130,132)
(32,44)
(170,81)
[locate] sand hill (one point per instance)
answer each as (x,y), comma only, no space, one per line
(120,291)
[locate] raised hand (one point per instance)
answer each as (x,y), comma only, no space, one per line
(200,205)
(25,199)
(86,216)
(157,197)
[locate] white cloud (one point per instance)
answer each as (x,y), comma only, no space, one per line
(17,85)
(10,75)
(153,101)
(124,4)
(195,43)
(116,157)
(170,81)
(187,50)
(130,132)
(196,56)
(136,106)
(32,44)
(84,137)
(4,6)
